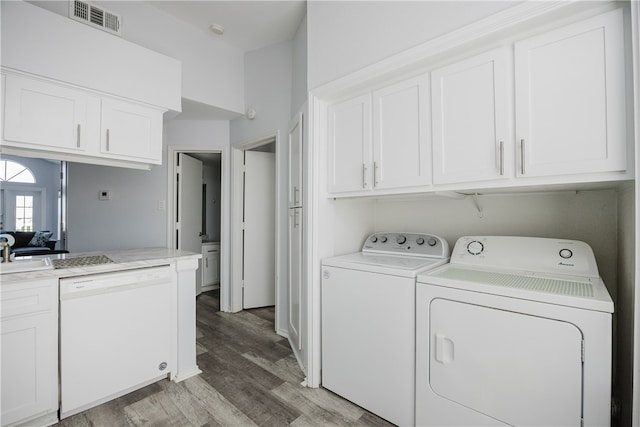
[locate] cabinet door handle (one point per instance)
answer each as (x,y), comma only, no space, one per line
(376,174)
(206,262)
(364,175)
(296,194)
(78,136)
(501,157)
(522,156)
(295,219)
(108,138)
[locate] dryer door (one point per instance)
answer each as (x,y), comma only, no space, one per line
(516,368)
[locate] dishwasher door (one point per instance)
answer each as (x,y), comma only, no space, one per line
(117,334)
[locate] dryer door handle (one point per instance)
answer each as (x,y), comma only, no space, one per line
(444,349)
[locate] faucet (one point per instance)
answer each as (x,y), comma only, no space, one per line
(6,251)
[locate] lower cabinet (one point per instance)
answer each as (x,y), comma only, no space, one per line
(29,343)
(210,265)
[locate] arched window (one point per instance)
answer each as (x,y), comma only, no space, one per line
(20,207)
(11,171)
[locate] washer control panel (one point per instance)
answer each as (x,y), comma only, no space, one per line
(414,244)
(526,253)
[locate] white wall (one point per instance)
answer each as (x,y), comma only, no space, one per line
(131,219)
(624,307)
(299,92)
(345,36)
(212,72)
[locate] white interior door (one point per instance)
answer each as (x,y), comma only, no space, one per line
(259,229)
(189,208)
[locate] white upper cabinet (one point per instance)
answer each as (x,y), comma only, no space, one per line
(570,99)
(401,139)
(470,104)
(44,115)
(131,130)
(349,137)
(63,122)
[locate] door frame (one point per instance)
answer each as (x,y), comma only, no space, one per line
(172,155)
(237,205)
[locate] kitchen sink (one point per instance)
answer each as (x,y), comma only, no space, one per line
(25,265)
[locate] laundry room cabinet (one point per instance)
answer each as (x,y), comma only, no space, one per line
(63,121)
(29,343)
(381,140)
(570,99)
(470,105)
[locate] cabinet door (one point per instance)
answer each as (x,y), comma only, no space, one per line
(43,115)
(350,145)
(29,351)
(570,99)
(131,131)
(295,162)
(210,271)
(401,136)
(471,119)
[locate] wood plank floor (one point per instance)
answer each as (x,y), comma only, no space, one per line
(250,377)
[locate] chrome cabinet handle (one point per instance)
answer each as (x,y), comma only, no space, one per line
(376,174)
(78,136)
(296,194)
(522,156)
(108,138)
(295,219)
(501,157)
(364,175)
(206,262)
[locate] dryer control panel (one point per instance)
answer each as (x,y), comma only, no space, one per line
(412,244)
(535,254)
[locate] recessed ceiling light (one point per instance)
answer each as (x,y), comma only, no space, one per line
(217,29)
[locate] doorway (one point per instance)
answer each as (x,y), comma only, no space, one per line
(270,247)
(205,210)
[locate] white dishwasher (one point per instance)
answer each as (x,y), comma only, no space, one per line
(117,334)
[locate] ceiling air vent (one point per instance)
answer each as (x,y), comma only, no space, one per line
(95,16)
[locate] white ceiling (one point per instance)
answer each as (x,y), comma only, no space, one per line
(248,24)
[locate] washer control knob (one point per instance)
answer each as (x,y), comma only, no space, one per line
(420,241)
(566,253)
(432,242)
(374,239)
(383,239)
(401,240)
(475,247)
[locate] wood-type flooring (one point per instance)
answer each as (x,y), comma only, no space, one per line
(249,377)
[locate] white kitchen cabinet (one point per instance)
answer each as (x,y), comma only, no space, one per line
(29,351)
(64,122)
(380,140)
(471,120)
(570,99)
(44,115)
(401,135)
(131,131)
(210,265)
(350,151)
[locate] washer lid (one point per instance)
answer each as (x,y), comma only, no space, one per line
(385,264)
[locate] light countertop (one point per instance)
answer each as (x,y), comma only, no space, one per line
(127,259)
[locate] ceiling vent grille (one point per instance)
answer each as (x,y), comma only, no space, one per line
(95,16)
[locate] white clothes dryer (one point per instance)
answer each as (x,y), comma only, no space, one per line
(368,321)
(514,331)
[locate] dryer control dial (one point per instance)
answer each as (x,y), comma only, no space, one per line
(401,240)
(475,247)
(566,253)
(383,239)
(432,242)
(420,241)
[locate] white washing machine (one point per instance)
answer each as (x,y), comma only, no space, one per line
(368,321)
(514,331)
